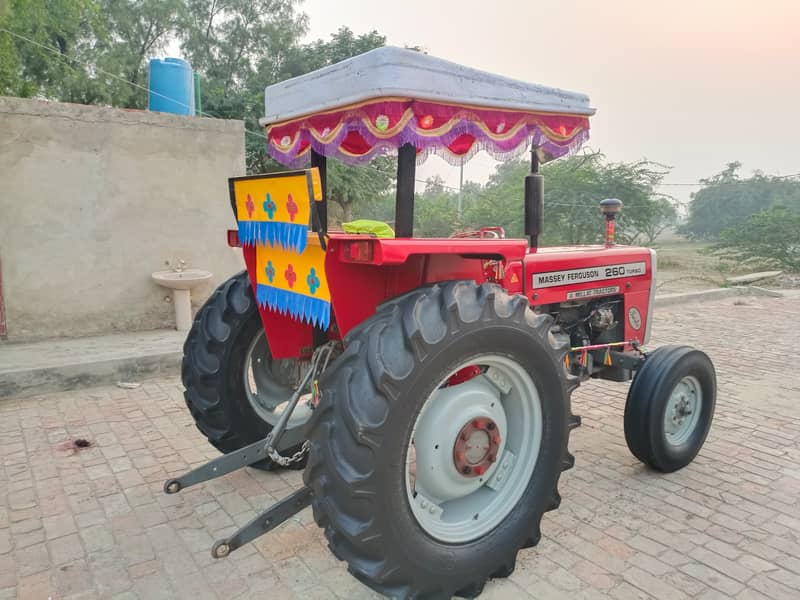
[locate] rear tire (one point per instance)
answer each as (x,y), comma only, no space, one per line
(215,356)
(670,407)
(371,402)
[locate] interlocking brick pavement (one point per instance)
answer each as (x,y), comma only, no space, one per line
(94,523)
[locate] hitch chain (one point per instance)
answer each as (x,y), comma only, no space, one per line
(285,461)
(318,365)
(264,448)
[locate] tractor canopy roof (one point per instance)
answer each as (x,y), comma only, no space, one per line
(374,103)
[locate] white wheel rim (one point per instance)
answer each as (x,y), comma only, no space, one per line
(449,506)
(682,413)
(266,394)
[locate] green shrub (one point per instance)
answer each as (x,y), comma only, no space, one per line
(770,238)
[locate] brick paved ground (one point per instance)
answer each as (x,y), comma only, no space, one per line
(94,523)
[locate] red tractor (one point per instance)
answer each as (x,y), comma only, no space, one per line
(423,384)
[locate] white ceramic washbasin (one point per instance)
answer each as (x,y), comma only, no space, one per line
(181,280)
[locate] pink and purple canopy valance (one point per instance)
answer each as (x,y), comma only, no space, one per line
(358,133)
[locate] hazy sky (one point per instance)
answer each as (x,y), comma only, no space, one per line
(691,84)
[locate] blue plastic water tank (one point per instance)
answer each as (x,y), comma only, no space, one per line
(171,86)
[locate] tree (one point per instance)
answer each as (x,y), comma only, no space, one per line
(84,51)
(644,221)
(343,44)
(137,29)
(357,186)
(51,47)
(435,210)
(239,47)
(232,41)
(573,188)
(499,202)
(726,200)
(769,238)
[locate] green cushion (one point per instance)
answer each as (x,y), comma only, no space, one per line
(376,228)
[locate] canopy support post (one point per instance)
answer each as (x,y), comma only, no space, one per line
(404,202)
(321,162)
(320,336)
(534,201)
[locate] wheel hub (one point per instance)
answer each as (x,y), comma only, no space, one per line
(473,449)
(476,447)
(680,410)
(683,410)
(453,441)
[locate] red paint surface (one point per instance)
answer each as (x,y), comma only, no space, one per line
(401,265)
(287,337)
(635,289)
(464,374)
(291,207)
(397,250)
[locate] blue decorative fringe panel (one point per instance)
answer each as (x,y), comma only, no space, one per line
(304,308)
(289,235)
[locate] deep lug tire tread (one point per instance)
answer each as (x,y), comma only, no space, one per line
(350,424)
(219,329)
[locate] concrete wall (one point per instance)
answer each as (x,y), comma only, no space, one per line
(93,200)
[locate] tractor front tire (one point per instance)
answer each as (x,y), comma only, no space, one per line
(215,355)
(670,407)
(396,373)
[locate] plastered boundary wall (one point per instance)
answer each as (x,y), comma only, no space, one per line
(94,199)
